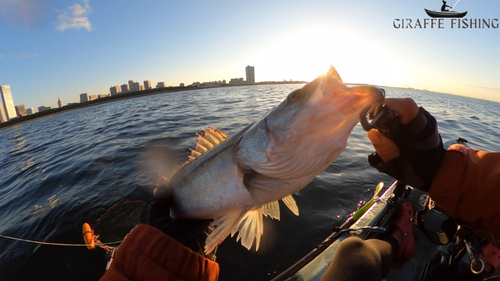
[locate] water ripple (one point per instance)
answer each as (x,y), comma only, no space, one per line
(66,169)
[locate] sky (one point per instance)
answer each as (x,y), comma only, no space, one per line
(52,49)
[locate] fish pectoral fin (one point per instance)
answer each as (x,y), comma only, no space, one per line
(253,181)
(271,209)
(249,228)
(291,204)
(225,224)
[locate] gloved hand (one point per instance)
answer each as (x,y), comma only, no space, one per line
(414,154)
(192,233)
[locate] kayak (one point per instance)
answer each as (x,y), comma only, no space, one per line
(445,14)
(438,255)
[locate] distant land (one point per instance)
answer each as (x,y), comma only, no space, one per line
(129,95)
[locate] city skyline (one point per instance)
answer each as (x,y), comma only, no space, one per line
(131,86)
(62,49)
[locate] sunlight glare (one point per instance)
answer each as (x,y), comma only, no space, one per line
(310,51)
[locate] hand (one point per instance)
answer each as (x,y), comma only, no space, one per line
(192,233)
(414,156)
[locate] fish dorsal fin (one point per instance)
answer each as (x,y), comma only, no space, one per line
(210,138)
(291,204)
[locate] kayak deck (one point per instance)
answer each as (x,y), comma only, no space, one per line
(380,214)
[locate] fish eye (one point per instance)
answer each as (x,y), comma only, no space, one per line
(297,95)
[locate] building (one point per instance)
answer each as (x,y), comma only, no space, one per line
(102,96)
(43,108)
(147,84)
(134,85)
(8,102)
(3,117)
(115,90)
(182,84)
(20,110)
(125,88)
(30,110)
(92,97)
(237,81)
(160,85)
(83,98)
(250,70)
(130,82)
(59,102)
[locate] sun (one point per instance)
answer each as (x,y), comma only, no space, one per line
(309,52)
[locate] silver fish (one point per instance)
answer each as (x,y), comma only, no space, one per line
(240,179)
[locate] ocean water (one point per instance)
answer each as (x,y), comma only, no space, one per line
(90,165)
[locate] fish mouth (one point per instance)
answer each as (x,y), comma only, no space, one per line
(373,113)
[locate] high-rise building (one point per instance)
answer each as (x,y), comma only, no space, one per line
(8,102)
(83,98)
(160,85)
(30,110)
(59,102)
(115,90)
(250,70)
(134,85)
(3,117)
(125,88)
(147,84)
(20,110)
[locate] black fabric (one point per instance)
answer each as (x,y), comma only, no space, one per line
(191,233)
(421,153)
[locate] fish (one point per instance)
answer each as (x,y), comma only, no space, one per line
(237,180)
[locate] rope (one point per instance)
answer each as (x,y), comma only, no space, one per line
(57,244)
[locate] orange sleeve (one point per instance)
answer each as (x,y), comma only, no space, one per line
(149,254)
(467,187)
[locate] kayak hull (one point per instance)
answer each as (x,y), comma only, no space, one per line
(445,14)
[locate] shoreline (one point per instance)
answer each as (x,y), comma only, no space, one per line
(124,96)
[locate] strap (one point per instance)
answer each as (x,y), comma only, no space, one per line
(439,238)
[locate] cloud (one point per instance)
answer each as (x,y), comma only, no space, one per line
(75,18)
(30,56)
(485,88)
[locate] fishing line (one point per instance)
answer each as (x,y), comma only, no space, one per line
(58,244)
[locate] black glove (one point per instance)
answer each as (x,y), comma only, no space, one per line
(192,233)
(421,152)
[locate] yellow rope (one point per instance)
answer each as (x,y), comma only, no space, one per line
(55,244)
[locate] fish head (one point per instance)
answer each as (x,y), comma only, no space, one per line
(323,107)
(308,130)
